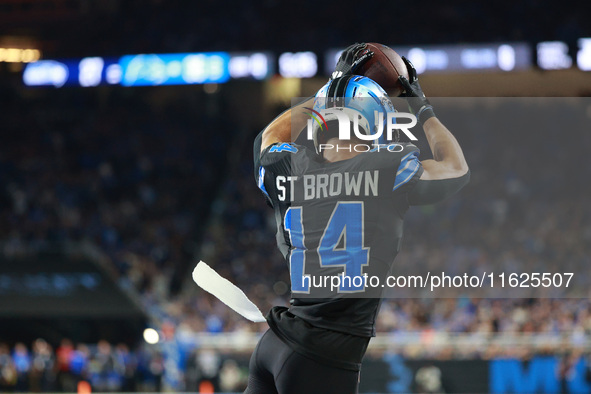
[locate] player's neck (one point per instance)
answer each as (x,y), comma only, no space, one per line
(341,150)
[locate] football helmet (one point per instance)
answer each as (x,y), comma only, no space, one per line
(361,99)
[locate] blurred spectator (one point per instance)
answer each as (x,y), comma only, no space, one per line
(22,363)
(232,377)
(8,373)
(103,372)
(79,363)
(126,363)
(156,369)
(43,371)
(64,354)
(203,366)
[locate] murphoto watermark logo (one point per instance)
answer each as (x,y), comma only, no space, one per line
(349,124)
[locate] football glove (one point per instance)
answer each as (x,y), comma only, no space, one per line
(417,102)
(353,57)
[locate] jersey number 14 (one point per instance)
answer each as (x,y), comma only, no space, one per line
(341,244)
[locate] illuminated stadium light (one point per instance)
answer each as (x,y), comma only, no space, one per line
(202,68)
(253,65)
(433,59)
(298,65)
(90,71)
(239,66)
(506,57)
(46,73)
(18,55)
(478,58)
(151,336)
(418,58)
(113,74)
(584,54)
(553,55)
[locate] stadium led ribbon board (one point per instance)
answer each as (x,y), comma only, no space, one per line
(150,69)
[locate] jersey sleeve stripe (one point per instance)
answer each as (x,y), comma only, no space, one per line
(261,181)
(404,161)
(409,165)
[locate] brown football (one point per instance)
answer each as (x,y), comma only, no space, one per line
(385,67)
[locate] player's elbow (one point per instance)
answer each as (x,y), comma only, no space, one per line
(462,165)
(459,170)
(455,167)
(440,170)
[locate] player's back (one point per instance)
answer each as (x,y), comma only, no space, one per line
(341,219)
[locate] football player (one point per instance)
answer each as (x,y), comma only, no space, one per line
(340,208)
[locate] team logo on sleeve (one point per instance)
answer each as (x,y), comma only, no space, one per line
(283,147)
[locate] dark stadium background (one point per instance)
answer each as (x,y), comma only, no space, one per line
(109,195)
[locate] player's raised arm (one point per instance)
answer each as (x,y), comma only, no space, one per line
(287,126)
(448,171)
(280,129)
(448,159)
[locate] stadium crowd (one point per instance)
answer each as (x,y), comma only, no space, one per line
(132,177)
(105,367)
